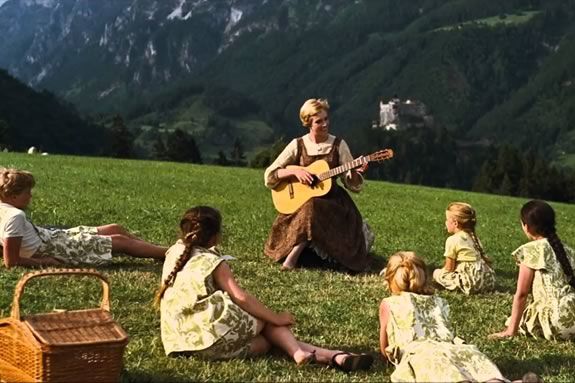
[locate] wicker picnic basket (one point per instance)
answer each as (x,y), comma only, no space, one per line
(70,346)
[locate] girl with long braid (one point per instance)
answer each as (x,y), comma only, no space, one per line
(546,269)
(205,313)
(466,268)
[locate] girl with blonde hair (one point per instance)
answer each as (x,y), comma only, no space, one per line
(415,333)
(330,225)
(466,268)
(205,313)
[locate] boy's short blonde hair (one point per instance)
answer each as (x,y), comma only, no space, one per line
(14,181)
(310,108)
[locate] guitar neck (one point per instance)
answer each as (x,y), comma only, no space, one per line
(343,168)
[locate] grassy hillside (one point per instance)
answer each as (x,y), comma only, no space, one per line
(212,129)
(332,309)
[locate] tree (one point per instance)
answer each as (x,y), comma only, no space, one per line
(160,150)
(181,147)
(122,140)
(484,181)
(506,187)
(4,132)
(222,160)
(237,156)
(265,157)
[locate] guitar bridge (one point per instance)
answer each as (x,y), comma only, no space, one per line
(290,189)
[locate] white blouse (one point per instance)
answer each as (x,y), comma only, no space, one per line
(288,157)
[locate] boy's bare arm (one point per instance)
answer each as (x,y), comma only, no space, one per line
(11,255)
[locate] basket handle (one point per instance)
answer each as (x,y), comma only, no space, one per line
(105,305)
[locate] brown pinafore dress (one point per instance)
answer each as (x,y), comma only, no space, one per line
(331,223)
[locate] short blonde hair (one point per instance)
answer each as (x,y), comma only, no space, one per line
(14,181)
(407,271)
(311,108)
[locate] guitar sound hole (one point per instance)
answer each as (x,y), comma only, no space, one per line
(314,182)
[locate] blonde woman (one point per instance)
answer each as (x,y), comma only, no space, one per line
(466,268)
(415,333)
(330,225)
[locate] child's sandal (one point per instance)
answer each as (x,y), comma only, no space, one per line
(353,362)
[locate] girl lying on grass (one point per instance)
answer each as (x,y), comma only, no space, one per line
(545,268)
(24,244)
(205,313)
(466,268)
(415,333)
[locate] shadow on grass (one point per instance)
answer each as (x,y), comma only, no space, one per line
(310,260)
(130,377)
(550,364)
(126,263)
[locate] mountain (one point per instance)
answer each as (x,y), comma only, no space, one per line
(31,118)
(486,69)
(96,53)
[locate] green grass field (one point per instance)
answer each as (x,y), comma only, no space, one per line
(332,309)
(504,19)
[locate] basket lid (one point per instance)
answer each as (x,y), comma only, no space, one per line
(76,327)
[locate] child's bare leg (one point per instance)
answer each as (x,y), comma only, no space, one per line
(291,260)
(326,356)
(259,345)
(114,228)
(323,355)
(136,247)
(282,337)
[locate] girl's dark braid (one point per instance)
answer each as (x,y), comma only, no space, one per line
(539,217)
(198,226)
(561,255)
(190,240)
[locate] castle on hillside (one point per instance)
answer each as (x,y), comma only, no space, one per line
(397,114)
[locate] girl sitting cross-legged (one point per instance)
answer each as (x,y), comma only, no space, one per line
(415,333)
(24,244)
(466,268)
(205,313)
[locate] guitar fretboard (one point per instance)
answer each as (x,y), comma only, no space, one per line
(343,168)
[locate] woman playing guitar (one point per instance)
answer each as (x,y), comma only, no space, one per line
(331,224)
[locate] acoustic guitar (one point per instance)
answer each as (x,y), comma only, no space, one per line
(291,194)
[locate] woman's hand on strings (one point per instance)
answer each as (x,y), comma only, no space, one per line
(303,176)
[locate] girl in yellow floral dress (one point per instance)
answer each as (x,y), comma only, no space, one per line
(546,269)
(415,334)
(466,268)
(205,313)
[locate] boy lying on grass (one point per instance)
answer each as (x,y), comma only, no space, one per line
(24,244)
